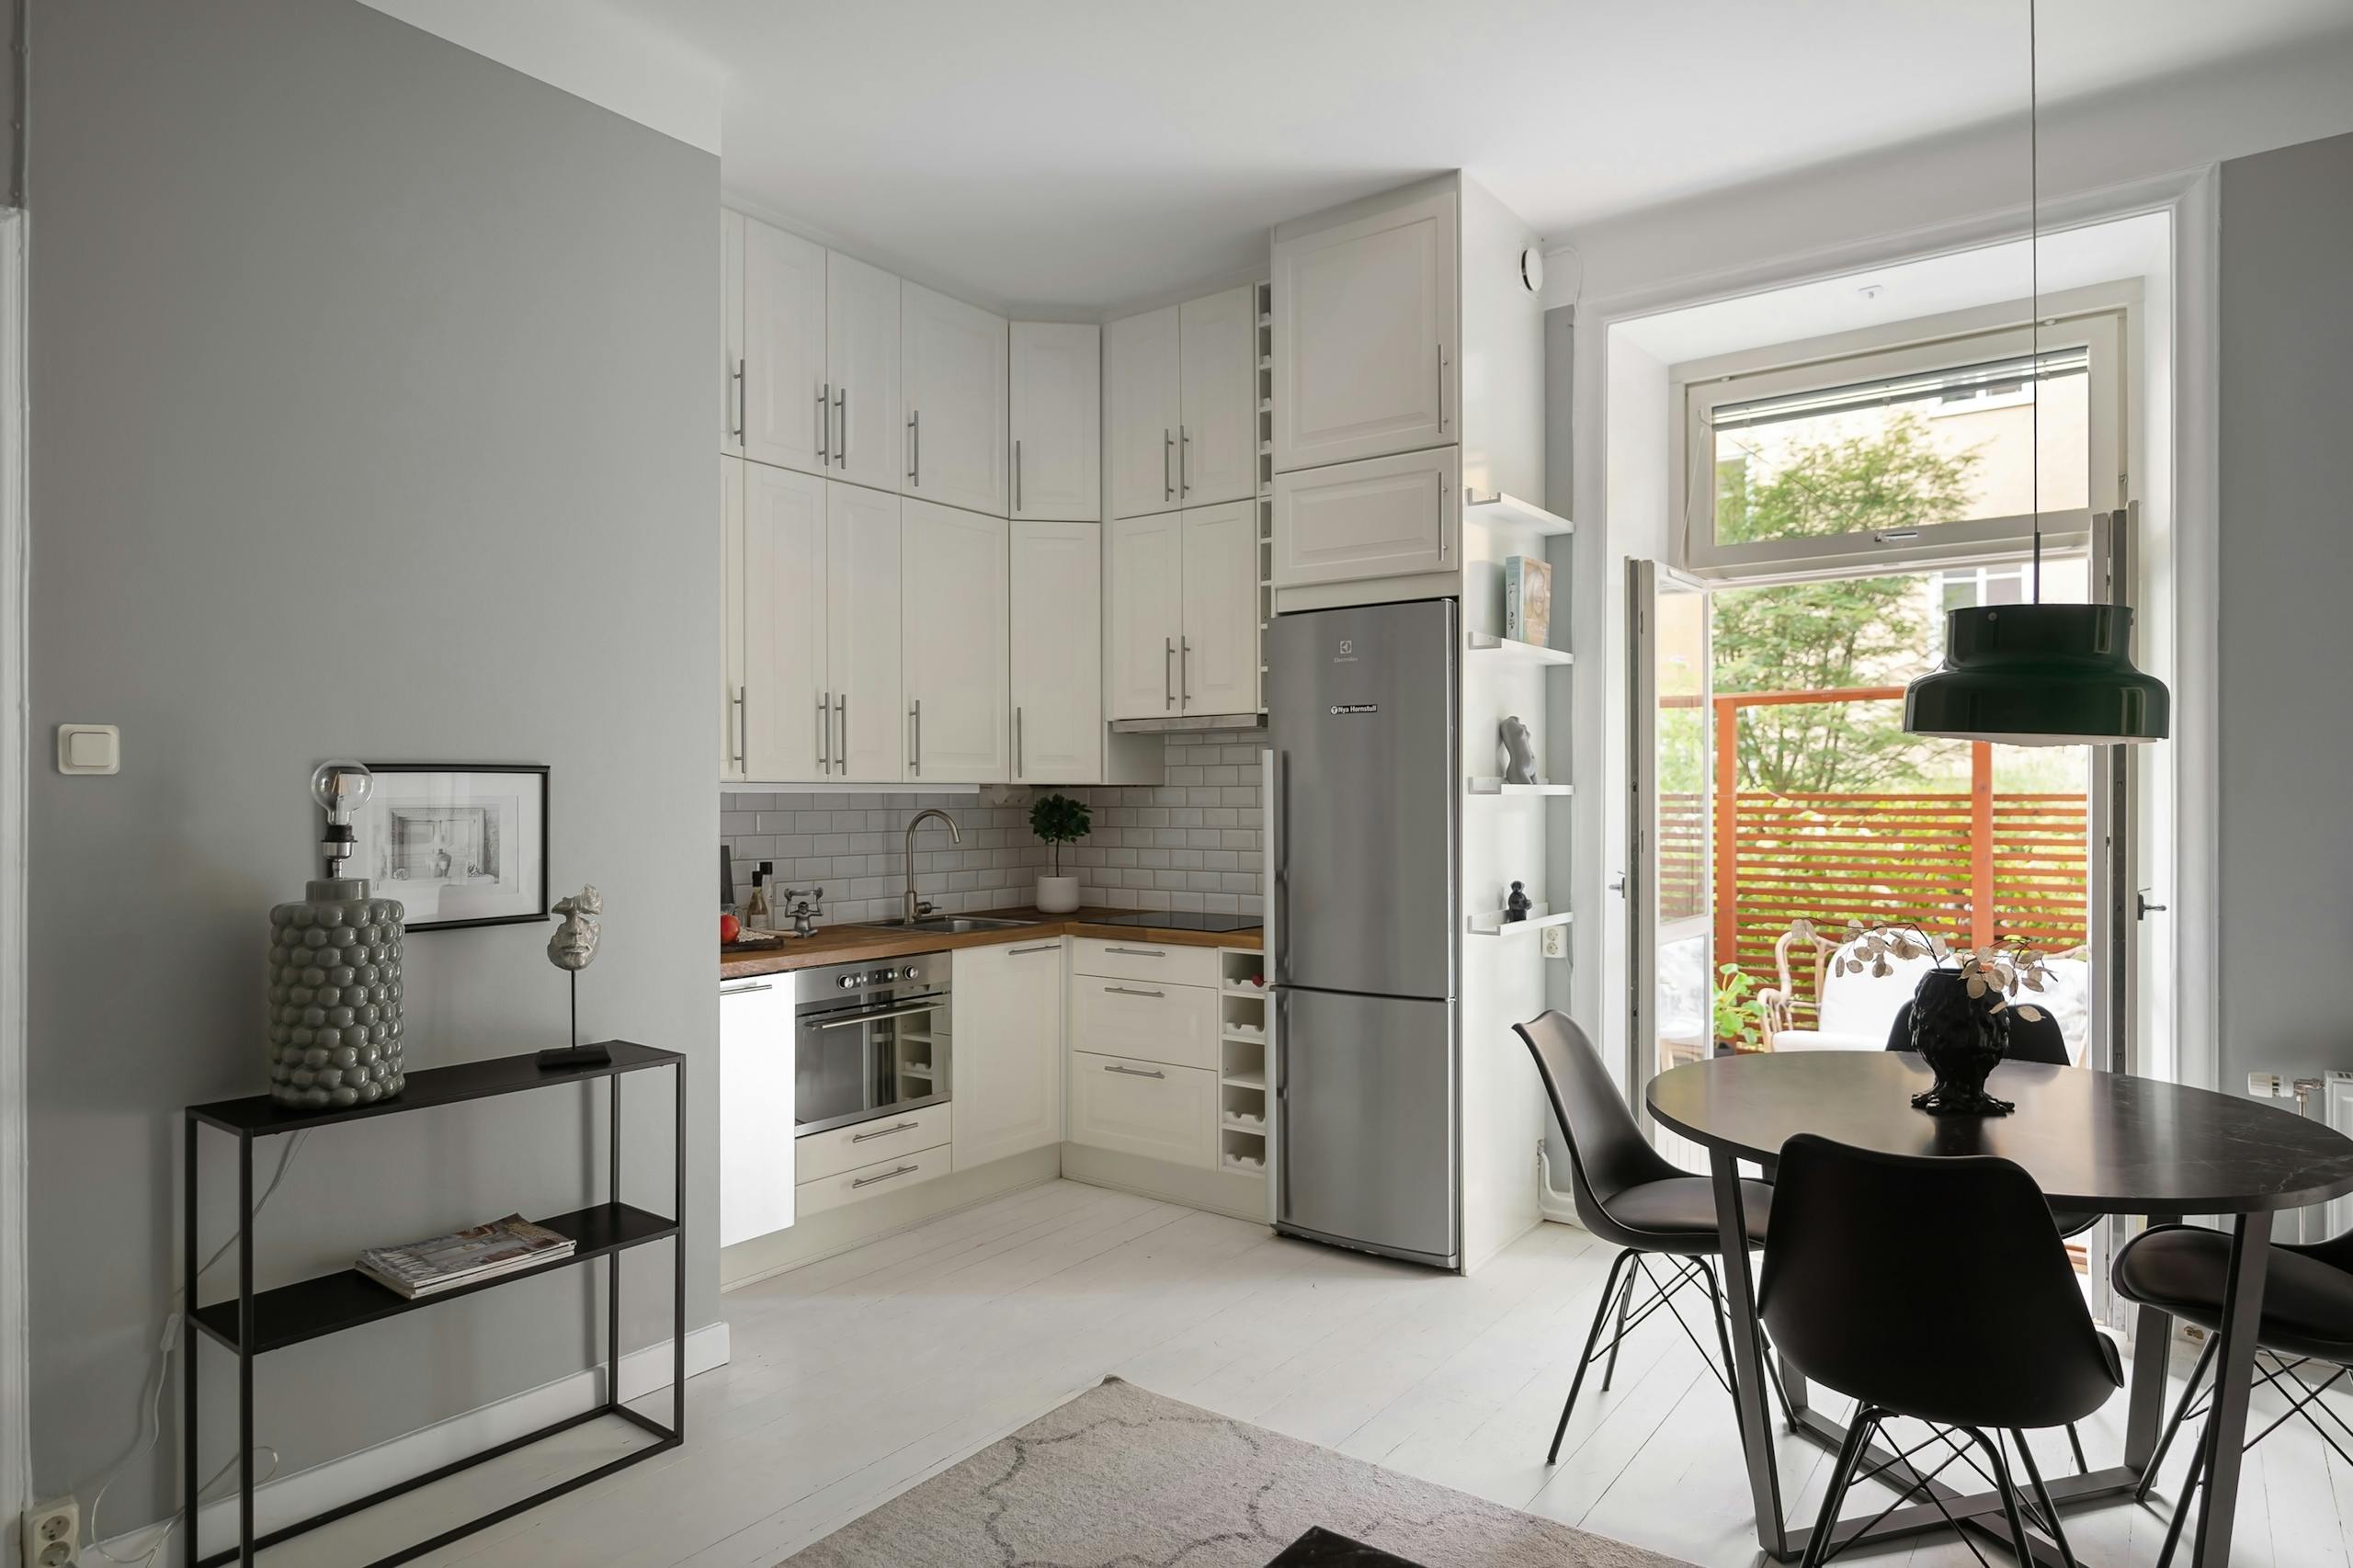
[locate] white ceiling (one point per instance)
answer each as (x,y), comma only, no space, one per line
(1080,154)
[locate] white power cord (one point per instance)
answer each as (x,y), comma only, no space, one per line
(175,1320)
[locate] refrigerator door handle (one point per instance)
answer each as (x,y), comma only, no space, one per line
(1278,1114)
(1278,857)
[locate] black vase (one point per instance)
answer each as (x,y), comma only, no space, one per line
(1962,1039)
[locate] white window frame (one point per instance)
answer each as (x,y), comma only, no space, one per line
(1697,388)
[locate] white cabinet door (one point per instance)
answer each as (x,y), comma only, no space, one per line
(731,332)
(953,382)
(955,608)
(784,622)
(1216,650)
(1383,517)
(755,1109)
(863,440)
(1141,355)
(730,621)
(1057,418)
(1008,1063)
(1146,613)
(1365,330)
(1144,1108)
(1057,653)
(784,348)
(863,650)
(1217,443)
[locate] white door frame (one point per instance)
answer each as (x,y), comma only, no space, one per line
(16,543)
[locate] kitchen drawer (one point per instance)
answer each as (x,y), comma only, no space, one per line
(1176,1024)
(1144,1108)
(1144,960)
(864,1143)
(895,1175)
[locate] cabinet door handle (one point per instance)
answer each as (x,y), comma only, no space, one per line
(841,719)
(1017,742)
(739,403)
(1184,462)
(841,418)
(824,734)
(1134,1071)
(1167,672)
(1016,475)
(740,990)
(1138,952)
(1441,519)
(735,727)
(1167,447)
(1441,389)
(915,759)
(1184,669)
(1130,990)
(743,727)
(884,1132)
(824,430)
(886,1176)
(1041,947)
(915,448)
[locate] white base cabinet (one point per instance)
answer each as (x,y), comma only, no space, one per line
(757,1188)
(1008,1061)
(1144,1108)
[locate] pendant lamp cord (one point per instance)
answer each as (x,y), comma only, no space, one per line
(2034,283)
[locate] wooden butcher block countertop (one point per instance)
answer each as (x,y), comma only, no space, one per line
(845,944)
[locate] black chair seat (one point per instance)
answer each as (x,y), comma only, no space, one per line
(1677,1215)
(2182,1269)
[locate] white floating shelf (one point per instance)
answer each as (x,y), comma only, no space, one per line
(1492,924)
(1525,652)
(1497,786)
(1500,508)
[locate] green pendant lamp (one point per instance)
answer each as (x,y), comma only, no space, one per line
(2039,674)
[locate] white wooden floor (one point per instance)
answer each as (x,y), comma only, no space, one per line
(857,1377)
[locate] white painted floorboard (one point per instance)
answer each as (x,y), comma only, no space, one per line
(856,1377)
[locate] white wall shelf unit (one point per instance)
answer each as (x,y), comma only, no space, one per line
(1492,924)
(1500,508)
(1492,786)
(1525,652)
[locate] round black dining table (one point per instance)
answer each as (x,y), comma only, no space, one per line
(2096,1142)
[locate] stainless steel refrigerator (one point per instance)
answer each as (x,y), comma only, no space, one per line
(1362,841)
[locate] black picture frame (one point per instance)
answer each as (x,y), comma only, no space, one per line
(529,900)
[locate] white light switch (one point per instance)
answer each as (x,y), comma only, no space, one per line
(89,748)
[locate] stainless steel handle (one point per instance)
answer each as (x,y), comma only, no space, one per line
(1134,1072)
(740,990)
(824,733)
(915,447)
(825,427)
(1441,389)
(914,758)
(1185,668)
(841,419)
(739,403)
(1017,474)
(1278,859)
(1041,947)
(735,727)
(885,1132)
(1167,447)
(841,719)
(1167,679)
(877,1018)
(1138,952)
(1130,990)
(1441,519)
(886,1176)
(1017,742)
(1184,462)
(743,727)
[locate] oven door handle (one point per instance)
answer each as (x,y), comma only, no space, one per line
(877,1017)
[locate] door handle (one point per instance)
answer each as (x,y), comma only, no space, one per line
(1130,990)
(915,448)
(824,430)
(884,1132)
(2143,908)
(914,761)
(739,403)
(1041,947)
(1184,462)
(1017,742)
(1017,474)
(1138,952)
(841,718)
(1134,1071)
(824,734)
(1441,389)
(886,1176)
(1278,856)
(1441,519)
(1184,669)
(1167,446)
(743,727)
(1167,682)
(735,727)
(841,418)
(740,990)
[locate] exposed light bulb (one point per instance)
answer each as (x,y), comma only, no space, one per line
(340,787)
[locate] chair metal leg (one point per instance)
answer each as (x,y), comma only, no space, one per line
(2009,1492)
(2181,1509)
(2042,1497)
(2075,1442)
(1625,1298)
(2188,1397)
(1842,1476)
(1585,1358)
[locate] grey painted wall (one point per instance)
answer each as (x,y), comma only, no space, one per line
(2286,913)
(369,419)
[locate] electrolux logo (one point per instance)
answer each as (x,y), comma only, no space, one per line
(1348,654)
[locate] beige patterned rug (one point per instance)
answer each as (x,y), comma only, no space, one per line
(1119,1478)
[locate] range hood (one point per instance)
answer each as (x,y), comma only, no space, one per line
(1187,722)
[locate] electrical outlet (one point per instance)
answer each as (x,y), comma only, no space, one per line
(53,1533)
(1555,940)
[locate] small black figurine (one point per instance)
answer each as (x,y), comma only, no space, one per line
(1516,906)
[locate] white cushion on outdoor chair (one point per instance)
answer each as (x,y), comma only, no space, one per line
(1863,1006)
(1822,1039)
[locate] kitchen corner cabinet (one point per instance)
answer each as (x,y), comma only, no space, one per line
(755,1084)
(730,621)
(1366,314)
(1057,413)
(1183,603)
(1008,1026)
(782,360)
(955,609)
(1380,517)
(1057,639)
(1182,404)
(953,385)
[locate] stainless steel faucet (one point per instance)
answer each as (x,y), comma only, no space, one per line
(910,908)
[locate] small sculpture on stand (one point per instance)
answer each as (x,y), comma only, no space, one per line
(1519,752)
(571,949)
(1516,906)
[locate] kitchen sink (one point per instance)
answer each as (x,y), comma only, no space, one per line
(951,925)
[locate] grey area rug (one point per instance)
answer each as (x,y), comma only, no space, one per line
(1121,1478)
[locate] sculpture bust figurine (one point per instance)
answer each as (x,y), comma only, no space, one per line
(1519,751)
(574,946)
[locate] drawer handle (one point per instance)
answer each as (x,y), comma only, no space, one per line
(1135,1071)
(1138,952)
(1041,947)
(1128,990)
(740,990)
(884,1132)
(886,1176)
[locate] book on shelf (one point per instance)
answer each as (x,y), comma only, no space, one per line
(463,1257)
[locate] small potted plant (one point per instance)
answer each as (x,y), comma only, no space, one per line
(1059,820)
(1961,1011)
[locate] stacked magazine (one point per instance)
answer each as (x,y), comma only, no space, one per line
(463,1257)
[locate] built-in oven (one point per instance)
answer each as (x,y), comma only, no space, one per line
(870,1038)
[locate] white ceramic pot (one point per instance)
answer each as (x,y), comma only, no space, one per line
(1057,895)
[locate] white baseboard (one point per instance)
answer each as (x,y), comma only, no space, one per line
(340,1481)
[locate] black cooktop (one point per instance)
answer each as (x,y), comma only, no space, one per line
(1178,920)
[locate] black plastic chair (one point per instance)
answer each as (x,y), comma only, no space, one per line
(2307,1317)
(1627,1193)
(1933,1289)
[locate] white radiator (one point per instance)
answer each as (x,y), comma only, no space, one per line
(2328,1098)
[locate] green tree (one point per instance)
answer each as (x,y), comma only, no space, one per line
(1828,635)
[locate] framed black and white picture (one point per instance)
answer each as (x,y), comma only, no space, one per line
(459,844)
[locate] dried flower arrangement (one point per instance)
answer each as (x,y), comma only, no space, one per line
(1992,974)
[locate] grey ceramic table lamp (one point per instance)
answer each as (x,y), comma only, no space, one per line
(334,970)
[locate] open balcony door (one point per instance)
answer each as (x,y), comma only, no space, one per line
(1670,937)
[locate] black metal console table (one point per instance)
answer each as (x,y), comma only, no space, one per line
(251,1324)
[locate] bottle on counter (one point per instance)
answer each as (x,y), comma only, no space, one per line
(756,915)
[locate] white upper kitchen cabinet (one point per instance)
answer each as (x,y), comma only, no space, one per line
(784,622)
(1057,636)
(1217,650)
(866,742)
(1365,319)
(1146,614)
(1217,355)
(1009,1029)
(731,332)
(863,438)
(1057,412)
(730,621)
(955,610)
(1143,407)
(1381,517)
(756,1083)
(952,386)
(786,415)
